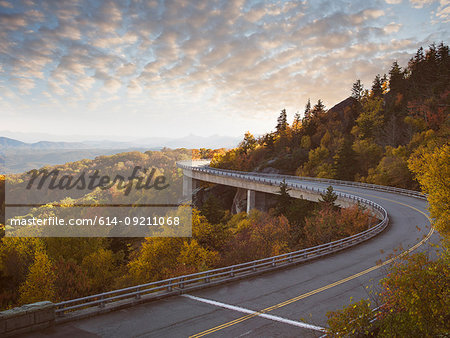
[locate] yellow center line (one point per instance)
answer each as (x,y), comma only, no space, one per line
(329,286)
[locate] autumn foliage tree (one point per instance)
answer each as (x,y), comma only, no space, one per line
(328,224)
(102,268)
(17,255)
(432,168)
(155,259)
(256,236)
(197,258)
(414,301)
(40,282)
(416,297)
(71,281)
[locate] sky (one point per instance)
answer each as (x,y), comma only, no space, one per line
(130,69)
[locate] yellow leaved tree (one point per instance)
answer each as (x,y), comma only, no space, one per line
(40,282)
(432,169)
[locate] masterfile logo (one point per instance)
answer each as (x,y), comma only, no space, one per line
(118,197)
(53,180)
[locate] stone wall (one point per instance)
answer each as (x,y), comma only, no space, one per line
(27,318)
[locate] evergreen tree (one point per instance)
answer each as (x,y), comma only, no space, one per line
(269,140)
(213,210)
(415,61)
(396,78)
(282,122)
(297,120)
(377,87)
(357,90)
(319,107)
(344,161)
(284,200)
(307,113)
(416,73)
(329,197)
(443,55)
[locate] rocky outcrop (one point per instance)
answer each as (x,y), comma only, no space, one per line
(239,201)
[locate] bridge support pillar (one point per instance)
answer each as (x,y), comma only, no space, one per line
(251,200)
(189,185)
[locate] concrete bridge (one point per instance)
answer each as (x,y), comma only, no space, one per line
(285,295)
(257,185)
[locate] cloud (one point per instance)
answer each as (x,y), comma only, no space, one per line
(127,69)
(234,56)
(35,15)
(373,13)
(393,2)
(134,88)
(392,28)
(24,85)
(112,85)
(421,3)
(11,22)
(6,4)
(443,11)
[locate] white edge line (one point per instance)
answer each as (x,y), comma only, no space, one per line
(263,315)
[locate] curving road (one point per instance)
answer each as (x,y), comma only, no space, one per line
(291,302)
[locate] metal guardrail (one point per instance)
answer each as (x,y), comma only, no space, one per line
(402,191)
(228,273)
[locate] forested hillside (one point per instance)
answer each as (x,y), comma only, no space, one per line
(57,268)
(387,134)
(368,137)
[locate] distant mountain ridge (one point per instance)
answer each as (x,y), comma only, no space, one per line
(9,142)
(17,156)
(6,142)
(191,141)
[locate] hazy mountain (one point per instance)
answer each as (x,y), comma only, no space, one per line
(7,143)
(17,160)
(191,141)
(17,156)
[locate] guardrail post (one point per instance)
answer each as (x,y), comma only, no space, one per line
(60,314)
(102,303)
(273,262)
(169,286)
(290,258)
(138,293)
(207,278)
(231,273)
(181,284)
(254,267)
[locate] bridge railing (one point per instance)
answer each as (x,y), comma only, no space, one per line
(240,174)
(180,284)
